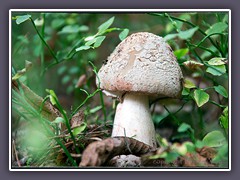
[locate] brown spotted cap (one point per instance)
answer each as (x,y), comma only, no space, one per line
(143,63)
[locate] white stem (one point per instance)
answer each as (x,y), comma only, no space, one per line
(133,119)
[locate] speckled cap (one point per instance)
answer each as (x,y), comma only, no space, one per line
(143,63)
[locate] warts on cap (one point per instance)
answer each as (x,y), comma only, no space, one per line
(142,66)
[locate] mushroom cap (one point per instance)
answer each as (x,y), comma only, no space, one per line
(143,63)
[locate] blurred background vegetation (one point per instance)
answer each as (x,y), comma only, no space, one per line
(57,56)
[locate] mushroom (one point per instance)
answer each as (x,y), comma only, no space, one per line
(142,67)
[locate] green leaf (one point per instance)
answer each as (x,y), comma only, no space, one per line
(52,96)
(21,19)
(23,39)
(61,70)
(84,47)
(73,29)
(181,52)
(105,25)
(157,156)
(221,90)
(162,141)
(214,139)
(66,79)
(57,23)
(185,16)
(170,36)
(99,41)
(216,70)
(187,34)
(83,28)
(185,91)
(38,22)
(74,70)
(79,129)
(158,118)
(221,157)
(190,146)
(199,144)
(180,149)
(200,97)
(225,111)
(184,127)
(225,19)
(95,109)
(90,42)
(89,38)
(123,34)
(217,28)
(171,156)
(216,61)
(189,84)
(58,120)
(224,118)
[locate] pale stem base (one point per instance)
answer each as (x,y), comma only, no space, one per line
(133,119)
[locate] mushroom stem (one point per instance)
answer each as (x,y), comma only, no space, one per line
(133,119)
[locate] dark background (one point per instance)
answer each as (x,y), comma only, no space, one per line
(11,4)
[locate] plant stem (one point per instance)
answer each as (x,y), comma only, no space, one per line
(172,115)
(45,43)
(67,124)
(201,122)
(100,92)
(191,24)
(42,44)
(21,101)
(219,105)
(103,107)
(89,96)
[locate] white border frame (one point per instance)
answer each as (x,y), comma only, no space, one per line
(123,11)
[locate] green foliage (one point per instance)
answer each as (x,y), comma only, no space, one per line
(216,70)
(205,60)
(58,120)
(216,61)
(21,19)
(79,129)
(189,84)
(61,48)
(221,90)
(123,34)
(184,35)
(222,156)
(224,119)
(184,127)
(214,139)
(217,28)
(181,52)
(103,27)
(200,97)
(73,29)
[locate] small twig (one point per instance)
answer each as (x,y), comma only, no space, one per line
(76,155)
(153,109)
(126,141)
(16,153)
